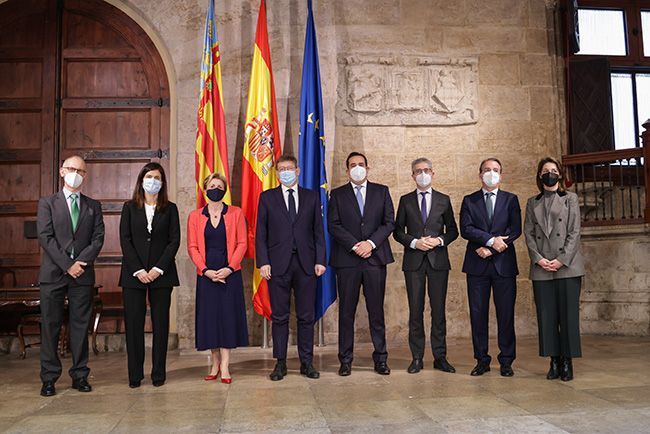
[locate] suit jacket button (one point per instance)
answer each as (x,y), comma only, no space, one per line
(558,235)
(560,219)
(539,238)
(148,238)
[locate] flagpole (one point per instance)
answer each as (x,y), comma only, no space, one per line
(265,337)
(321,333)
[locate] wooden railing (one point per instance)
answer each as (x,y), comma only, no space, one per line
(612,185)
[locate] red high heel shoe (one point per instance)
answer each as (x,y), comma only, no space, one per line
(212,377)
(226,380)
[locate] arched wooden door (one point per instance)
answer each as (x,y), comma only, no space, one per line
(78,77)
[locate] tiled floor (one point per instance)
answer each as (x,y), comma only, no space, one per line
(611,393)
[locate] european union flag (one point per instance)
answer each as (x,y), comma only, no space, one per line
(311,153)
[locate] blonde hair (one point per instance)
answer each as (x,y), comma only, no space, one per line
(212,176)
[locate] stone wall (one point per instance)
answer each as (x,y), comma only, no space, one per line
(519,106)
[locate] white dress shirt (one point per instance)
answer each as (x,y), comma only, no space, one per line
(285,195)
(364,189)
(67,194)
(494,202)
(149,211)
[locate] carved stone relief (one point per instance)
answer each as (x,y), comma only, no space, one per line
(408,90)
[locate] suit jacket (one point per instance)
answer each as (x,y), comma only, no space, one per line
(348,227)
(144,250)
(474,227)
(409,226)
(54,226)
(275,234)
(561,241)
(236,236)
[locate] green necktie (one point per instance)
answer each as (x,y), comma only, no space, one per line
(74,211)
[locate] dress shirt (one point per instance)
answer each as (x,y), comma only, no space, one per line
(494,202)
(428,197)
(364,189)
(285,195)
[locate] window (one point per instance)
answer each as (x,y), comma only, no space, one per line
(602,32)
(645,29)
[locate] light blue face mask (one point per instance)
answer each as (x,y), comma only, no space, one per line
(151,185)
(288,177)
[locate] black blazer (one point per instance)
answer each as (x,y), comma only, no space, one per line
(144,250)
(275,233)
(440,223)
(54,226)
(474,227)
(347,227)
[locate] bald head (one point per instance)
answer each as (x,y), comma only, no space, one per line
(75,161)
(75,167)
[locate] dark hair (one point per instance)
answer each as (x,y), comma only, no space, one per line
(355,154)
(496,160)
(138,191)
(284,158)
(560,169)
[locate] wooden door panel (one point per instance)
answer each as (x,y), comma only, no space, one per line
(20,182)
(107,129)
(20,130)
(110,79)
(112,238)
(20,79)
(15,241)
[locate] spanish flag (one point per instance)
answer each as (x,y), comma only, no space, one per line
(211,151)
(261,149)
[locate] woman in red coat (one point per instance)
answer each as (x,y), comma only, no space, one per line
(216,242)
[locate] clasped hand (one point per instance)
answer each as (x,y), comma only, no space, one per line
(363,249)
(77,269)
(218,276)
(148,276)
(427,243)
(551,266)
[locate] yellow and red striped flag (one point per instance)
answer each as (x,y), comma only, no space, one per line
(211,152)
(261,149)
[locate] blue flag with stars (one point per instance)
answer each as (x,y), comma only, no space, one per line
(311,153)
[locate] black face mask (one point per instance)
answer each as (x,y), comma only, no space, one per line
(216,194)
(549,179)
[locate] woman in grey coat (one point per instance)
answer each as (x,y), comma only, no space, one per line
(552,230)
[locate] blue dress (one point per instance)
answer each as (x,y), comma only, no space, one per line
(220,307)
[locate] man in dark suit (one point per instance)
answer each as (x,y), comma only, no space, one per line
(425,225)
(490,221)
(290,252)
(360,220)
(71,233)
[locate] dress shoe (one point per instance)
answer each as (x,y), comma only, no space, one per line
(279,372)
(134,384)
(442,364)
(506,371)
(566,372)
(158,383)
(345,369)
(480,369)
(81,384)
(308,370)
(48,389)
(382,368)
(415,366)
(554,370)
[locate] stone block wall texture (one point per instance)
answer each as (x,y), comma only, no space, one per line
(520,102)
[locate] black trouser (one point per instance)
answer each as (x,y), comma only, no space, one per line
(437,288)
(349,281)
(558,316)
(304,293)
(80,299)
(135,311)
(505,293)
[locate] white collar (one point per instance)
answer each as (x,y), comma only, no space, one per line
(428,190)
(364,185)
(285,188)
(495,191)
(67,193)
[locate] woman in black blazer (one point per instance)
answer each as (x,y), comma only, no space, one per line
(150,236)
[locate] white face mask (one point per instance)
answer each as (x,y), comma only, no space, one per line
(423,179)
(151,185)
(358,173)
(491,178)
(73,179)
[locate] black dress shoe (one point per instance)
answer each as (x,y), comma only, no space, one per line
(566,372)
(48,389)
(382,368)
(279,372)
(442,364)
(81,384)
(345,369)
(506,371)
(308,370)
(554,370)
(158,383)
(480,369)
(415,366)
(134,384)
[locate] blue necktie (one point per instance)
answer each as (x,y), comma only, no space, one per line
(359,198)
(423,206)
(489,204)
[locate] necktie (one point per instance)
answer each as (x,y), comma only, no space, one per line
(74,211)
(489,204)
(292,206)
(423,206)
(359,198)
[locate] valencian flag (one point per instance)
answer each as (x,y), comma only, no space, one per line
(312,151)
(211,151)
(261,149)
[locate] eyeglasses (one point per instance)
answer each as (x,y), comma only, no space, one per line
(74,169)
(419,171)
